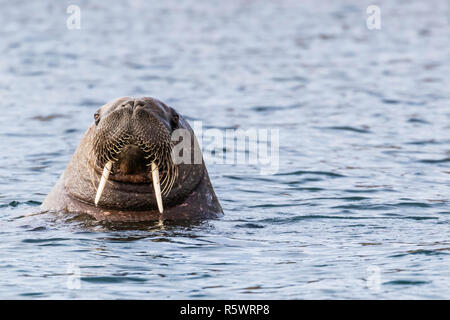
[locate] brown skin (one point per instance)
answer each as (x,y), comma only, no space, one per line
(133,133)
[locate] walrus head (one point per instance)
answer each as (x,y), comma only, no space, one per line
(127,156)
(132,144)
(127,167)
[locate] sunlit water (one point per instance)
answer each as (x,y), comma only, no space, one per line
(359,207)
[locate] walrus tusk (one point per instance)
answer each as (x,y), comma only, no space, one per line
(103,180)
(157,187)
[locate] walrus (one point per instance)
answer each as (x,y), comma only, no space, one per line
(125,168)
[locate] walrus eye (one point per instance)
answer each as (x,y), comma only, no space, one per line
(96,118)
(174,121)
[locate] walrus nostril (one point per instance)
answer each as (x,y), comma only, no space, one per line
(126,105)
(133,104)
(138,103)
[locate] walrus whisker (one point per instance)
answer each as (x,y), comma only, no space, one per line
(169,185)
(164,180)
(91,174)
(173,180)
(108,148)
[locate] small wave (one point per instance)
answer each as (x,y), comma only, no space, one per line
(423,142)
(387,206)
(274,108)
(303,172)
(406,282)
(15,203)
(112,279)
(337,217)
(310,189)
(416,120)
(250,226)
(31,294)
(49,117)
(274,205)
(347,128)
(45,240)
(435,160)
(423,252)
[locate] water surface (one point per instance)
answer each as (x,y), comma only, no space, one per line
(358,209)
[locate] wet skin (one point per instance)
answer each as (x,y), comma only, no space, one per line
(132,133)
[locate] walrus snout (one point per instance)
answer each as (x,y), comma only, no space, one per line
(143,122)
(132,144)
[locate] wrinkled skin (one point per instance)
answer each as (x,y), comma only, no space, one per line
(132,132)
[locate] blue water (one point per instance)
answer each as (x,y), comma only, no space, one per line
(360,206)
